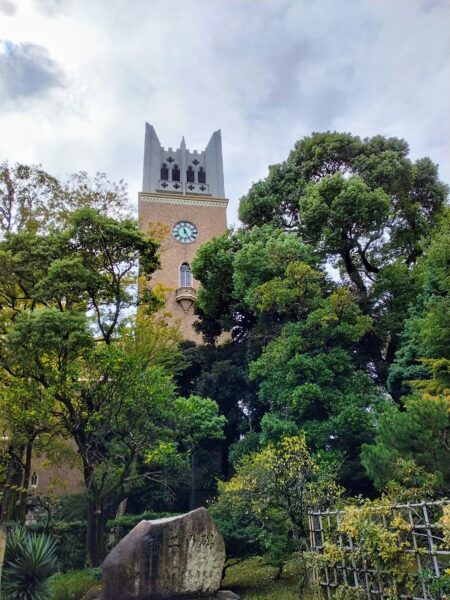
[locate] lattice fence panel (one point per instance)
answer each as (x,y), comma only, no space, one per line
(424,543)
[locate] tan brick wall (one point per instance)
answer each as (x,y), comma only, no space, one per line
(208,214)
(56,480)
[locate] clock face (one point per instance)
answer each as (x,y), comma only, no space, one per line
(185,232)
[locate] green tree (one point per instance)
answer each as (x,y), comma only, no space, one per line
(108,384)
(363,205)
(33,200)
(276,487)
(65,298)
(419,380)
(221,372)
(417,434)
(301,336)
(197,420)
(427,329)
(309,378)
(231,267)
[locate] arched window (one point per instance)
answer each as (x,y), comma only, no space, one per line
(175,173)
(185,275)
(190,175)
(201,175)
(164,172)
(34,479)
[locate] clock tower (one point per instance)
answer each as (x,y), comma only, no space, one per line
(183,191)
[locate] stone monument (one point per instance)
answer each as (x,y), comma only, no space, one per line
(175,558)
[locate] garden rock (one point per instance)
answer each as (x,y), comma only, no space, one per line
(174,558)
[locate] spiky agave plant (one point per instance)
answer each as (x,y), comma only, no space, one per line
(31,561)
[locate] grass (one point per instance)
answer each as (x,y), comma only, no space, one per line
(253,579)
(73,585)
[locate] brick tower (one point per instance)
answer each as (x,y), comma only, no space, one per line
(182,190)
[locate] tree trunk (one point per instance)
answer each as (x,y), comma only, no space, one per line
(11,495)
(3,540)
(356,278)
(96,541)
(192,497)
(22,507)
(278,572)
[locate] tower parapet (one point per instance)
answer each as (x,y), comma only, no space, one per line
(182,171)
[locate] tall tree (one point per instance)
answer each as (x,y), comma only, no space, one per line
(66,297)
(419,379)
(221,372)
(33,200)
(366,206)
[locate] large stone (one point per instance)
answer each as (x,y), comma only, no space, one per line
(179,557)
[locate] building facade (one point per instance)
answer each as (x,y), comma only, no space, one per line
(183,197)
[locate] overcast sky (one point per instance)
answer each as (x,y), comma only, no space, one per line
(79,78)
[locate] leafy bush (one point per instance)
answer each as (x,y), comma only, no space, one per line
(73,585)
(71,543)
(124,524)
(240,529)
(30,561)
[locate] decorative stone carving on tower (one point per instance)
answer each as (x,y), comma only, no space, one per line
(184,191)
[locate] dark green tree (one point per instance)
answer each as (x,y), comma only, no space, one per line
(221,372)
(419,380)
(366,207)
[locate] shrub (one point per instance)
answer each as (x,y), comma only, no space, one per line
(73,585)
(71,543)
(125,524)
(30,561)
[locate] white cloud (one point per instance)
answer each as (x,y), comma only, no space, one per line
(265,72)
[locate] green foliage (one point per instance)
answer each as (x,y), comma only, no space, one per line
(420,379)
(256,579)
(67,338)
(70,538)
(382,543)
(73,585)
(29,562)
(427,330)
(319,351)
(241,531)
(33,200)
(438,587)
(309,379)
(221,372)
(198,420)
(361,204)
(231,268)
(265,504)
(347,592)
(416,433)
